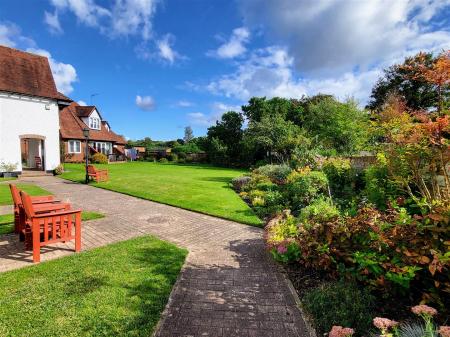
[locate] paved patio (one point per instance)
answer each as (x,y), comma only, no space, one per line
(228,286)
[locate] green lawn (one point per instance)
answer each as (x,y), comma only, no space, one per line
(117,290)
(7,220)
(7,179)
(5,193)
(200,188)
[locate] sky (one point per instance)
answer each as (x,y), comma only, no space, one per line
(153,67)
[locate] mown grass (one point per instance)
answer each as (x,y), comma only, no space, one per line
(5,193)
(116,290)
(201,188)
(7,178)
(7,220)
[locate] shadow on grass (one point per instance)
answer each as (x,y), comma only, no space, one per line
(226,180)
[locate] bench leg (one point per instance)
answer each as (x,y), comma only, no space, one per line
(36,242)
(77,232)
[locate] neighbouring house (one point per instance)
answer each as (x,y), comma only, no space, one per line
(73,119)
(29,106)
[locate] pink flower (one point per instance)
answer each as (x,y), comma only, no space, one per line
(339,331)
(281,249)
(384,323)
(424,310)
(444,331)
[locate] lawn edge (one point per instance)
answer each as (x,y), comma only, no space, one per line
(261,225)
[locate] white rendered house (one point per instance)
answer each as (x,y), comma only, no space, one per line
(29,112)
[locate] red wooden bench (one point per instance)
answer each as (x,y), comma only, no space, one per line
(96,174)
(38,162)
(45,203)
(42,229)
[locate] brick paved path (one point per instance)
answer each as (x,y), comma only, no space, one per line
(228,285)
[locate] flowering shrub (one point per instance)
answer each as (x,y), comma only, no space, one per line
(59,170)
(99,158)
(390,251)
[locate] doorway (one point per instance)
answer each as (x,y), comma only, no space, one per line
(32,153)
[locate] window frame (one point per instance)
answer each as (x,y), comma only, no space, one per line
(94,123)
(73,148)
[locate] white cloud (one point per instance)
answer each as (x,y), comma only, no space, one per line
(130,17)
(235,46)
(146,103)
(270,72)
(82,103)
(64,74)
(11,36)
(184,104)
(267,72)
(165,50)
(217,110)
(328,37)
(86,11)
(121,18)
(52,21)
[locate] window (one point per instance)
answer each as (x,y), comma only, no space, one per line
(94,123)
(102,147)
(74,146)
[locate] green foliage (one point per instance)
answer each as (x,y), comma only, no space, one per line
(172,157)
(303,186)
(190,147)
(163,160)
(319,210)
(276,173)
(343,180)
(340,303)
(379,189)
(99,158)
(402,80)
(217,152)
(275,136)
(229,132)
(336,127)
(240,182)
(59,169)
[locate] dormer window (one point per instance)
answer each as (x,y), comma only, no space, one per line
(94,123)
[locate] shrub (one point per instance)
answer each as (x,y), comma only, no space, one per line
(390,251)
(182,155)
(240,182)
(340,303)
(280,236)
(163,160)
(304,185)
(99,158)
(172,157)
(342,178)
(59,170)
(276,173)
(378,188)
(320,210)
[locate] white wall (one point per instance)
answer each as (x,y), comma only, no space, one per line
(23,115)
(94,114)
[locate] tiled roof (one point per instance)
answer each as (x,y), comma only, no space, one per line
(26,73)
(71,127)
(84,111)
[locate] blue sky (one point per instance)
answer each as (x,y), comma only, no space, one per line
(160,65)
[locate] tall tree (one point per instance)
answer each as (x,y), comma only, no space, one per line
(227,135)
(188,134)
(407,81)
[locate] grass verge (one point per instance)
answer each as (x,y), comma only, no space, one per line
(116,290)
